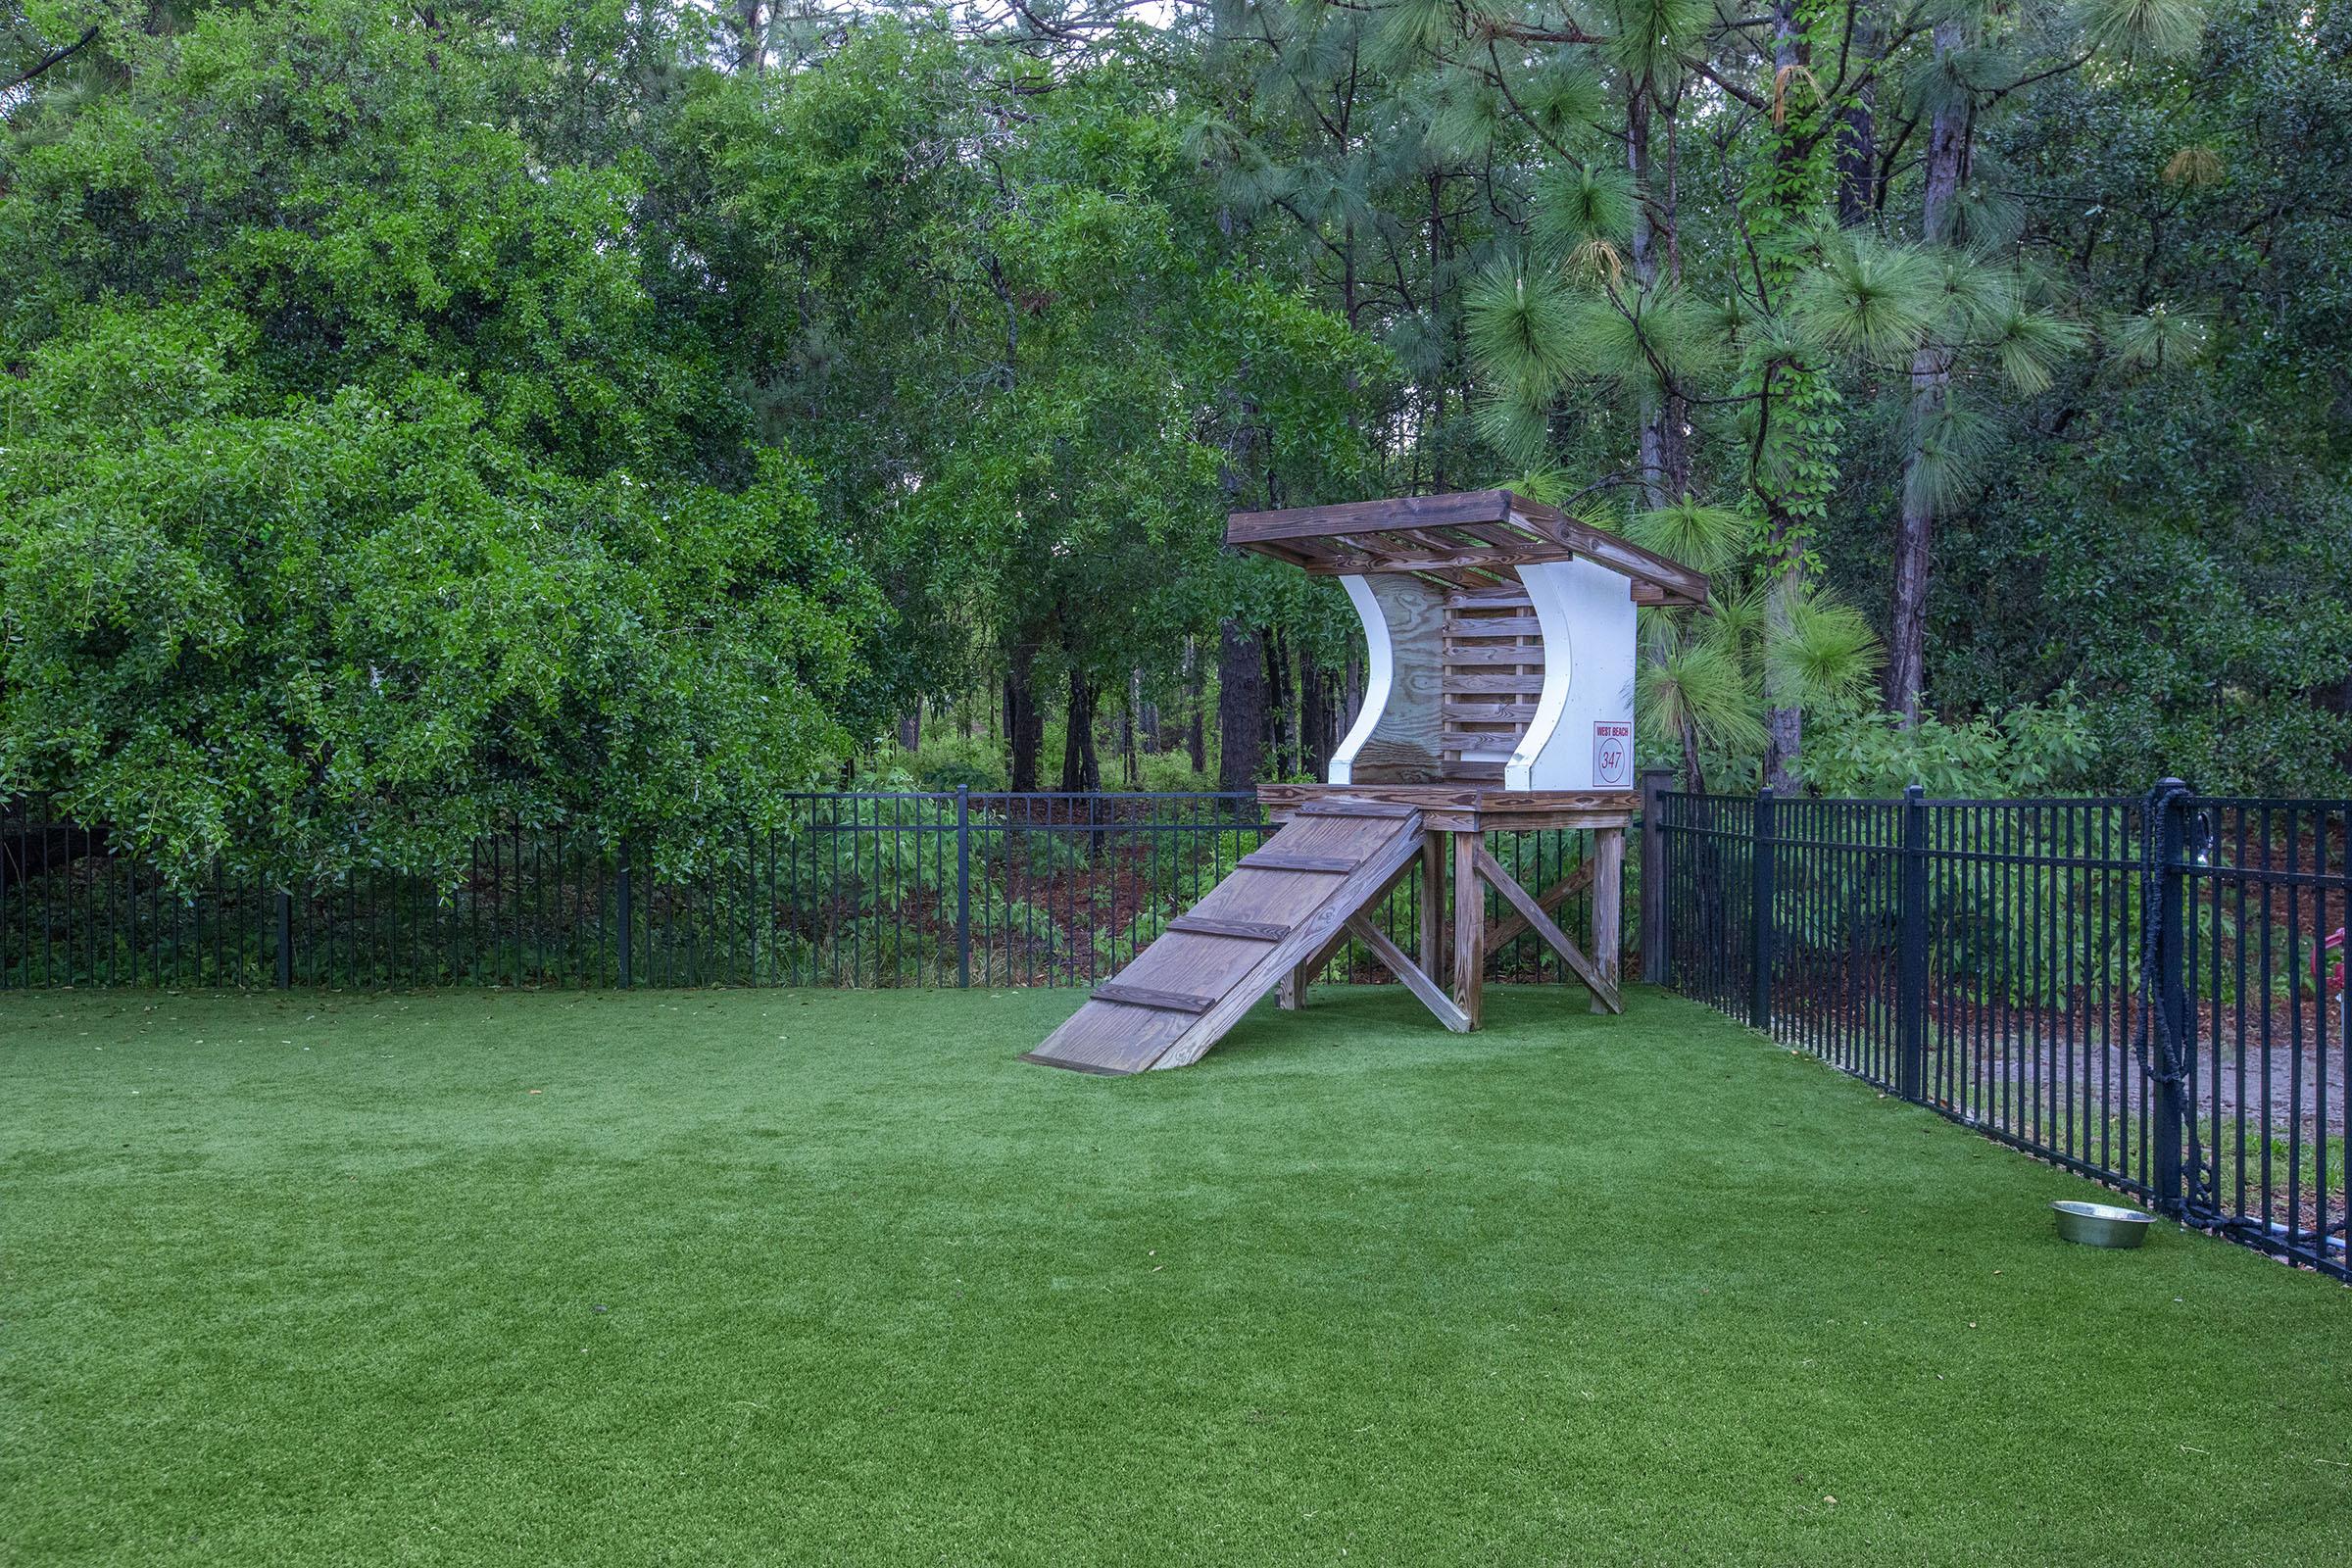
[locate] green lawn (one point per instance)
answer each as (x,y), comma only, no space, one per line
(709,1278)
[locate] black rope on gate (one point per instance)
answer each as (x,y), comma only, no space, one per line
(2162,1055)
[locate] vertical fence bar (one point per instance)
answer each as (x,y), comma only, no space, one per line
(963,885)
(1911,971)
(1760,914)
(2171,1001)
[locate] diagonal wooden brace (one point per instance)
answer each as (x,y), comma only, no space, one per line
(1519,898)
(1291,994)
(1405,969)
(1510,925)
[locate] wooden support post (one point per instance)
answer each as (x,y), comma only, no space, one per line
(1609,915)
(1654,783)
(1469,926)
(1433,903)
(1290,995)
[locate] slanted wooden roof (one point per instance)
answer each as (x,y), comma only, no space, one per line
(1470,539)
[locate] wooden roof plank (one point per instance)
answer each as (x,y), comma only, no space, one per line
(1474,530)
(1351,516)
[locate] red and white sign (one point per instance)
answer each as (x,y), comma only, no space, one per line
(1612,754)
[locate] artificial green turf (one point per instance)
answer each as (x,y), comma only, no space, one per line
(830,1277)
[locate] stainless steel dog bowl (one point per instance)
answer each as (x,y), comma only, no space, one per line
(2101,1224)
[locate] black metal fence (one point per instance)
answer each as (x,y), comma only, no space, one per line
(2147,991)
(945,889)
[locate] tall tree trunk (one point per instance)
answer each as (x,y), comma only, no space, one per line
(1436,444)
(1784,715)
(750,37)
(1664,452)
(1024,721)
(1931,386)
(1080,768)
(1240,706)
(1282,720)
(1196,704)
(910,728)
(1147,717)
(1314,716)
(1859,133)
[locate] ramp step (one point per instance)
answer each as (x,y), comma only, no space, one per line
(1146,997)
(1355,808)
(1209,925)
(1292,860)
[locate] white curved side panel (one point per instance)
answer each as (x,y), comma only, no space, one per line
(1380,670)
(1587,616)
(1559,665)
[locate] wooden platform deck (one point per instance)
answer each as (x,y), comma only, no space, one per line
(1466,807)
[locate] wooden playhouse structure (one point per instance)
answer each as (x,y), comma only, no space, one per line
(1499,694)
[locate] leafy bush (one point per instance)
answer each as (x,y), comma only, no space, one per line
(1045,852)
(1117,946)
(1859,752)
(1023,922)
(359,495)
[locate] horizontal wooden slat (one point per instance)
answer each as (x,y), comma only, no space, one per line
(1494,626)
(1210,925)
(1503,742)
(1288,861)
(1146,997)
(1487,557)
(1468,685)
(1463,657)
(1495,711)
(1343,806)
(1358,516)
(1678,581)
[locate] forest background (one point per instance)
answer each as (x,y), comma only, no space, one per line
(621,415)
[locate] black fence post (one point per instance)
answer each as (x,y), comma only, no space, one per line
(1911,969)
(285,940)
(2171,1109)
(620,946)
(1759,915)
(963,885)
(1654,874)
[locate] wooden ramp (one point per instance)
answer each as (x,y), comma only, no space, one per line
(1288,901)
